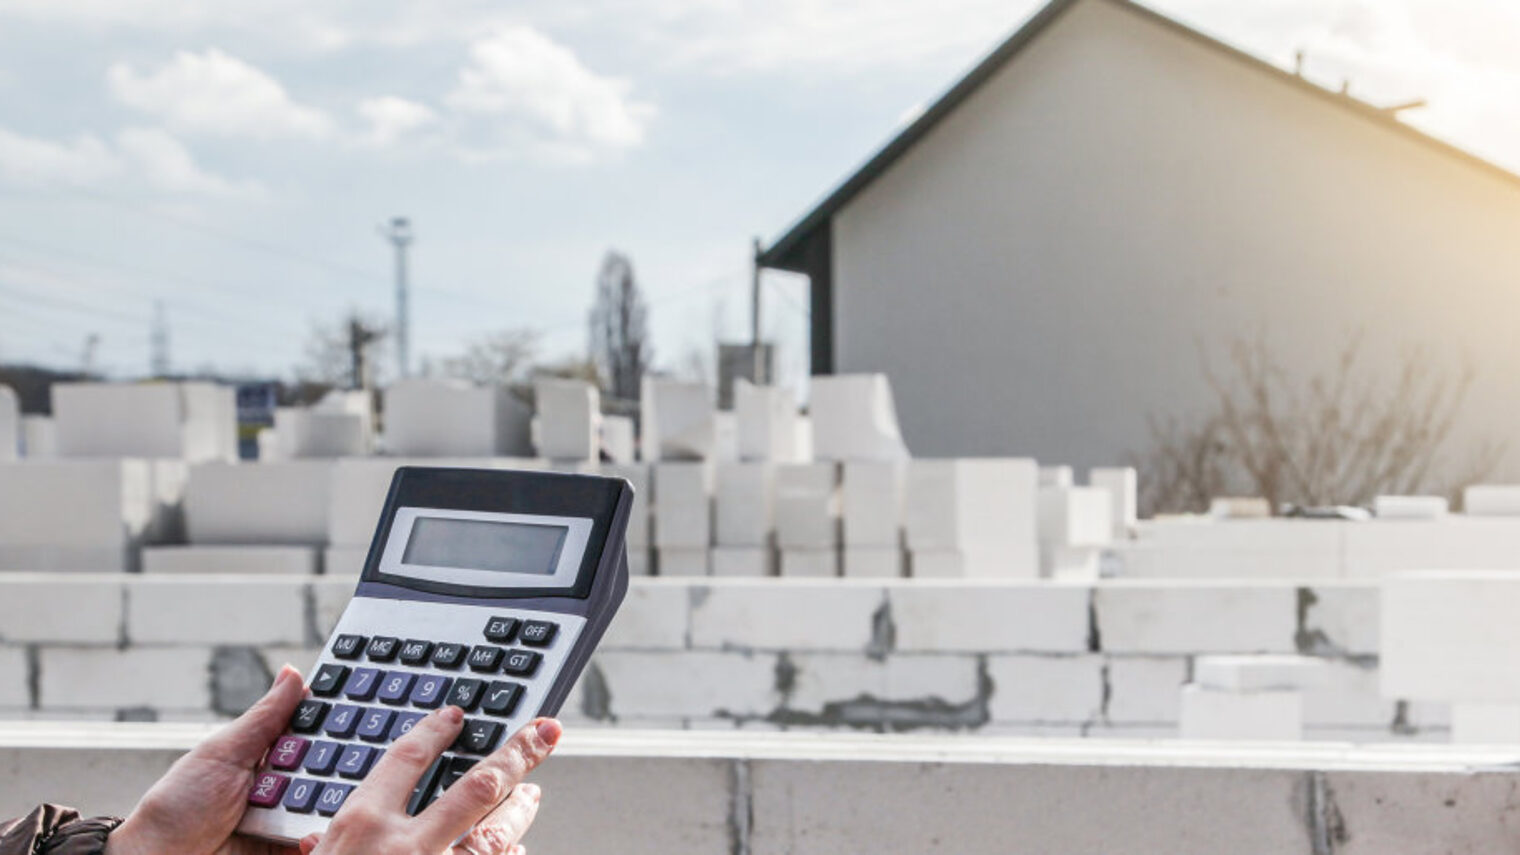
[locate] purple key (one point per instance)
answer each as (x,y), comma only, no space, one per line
(302,795)
(394,687)
(361,684)
(375,724)
(342,721)
(332,798)
(430,691)
(322,758)
(267,789)
(287,753)
(404,723)
(355,761)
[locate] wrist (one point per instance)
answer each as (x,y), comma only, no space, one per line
(124,840)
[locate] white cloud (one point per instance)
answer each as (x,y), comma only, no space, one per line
(526,93)
(392,119)
(218,94)
(149,156)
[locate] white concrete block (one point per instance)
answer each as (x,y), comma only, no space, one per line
(1196,617)
(189,421)
(1123,486)
(804,442)
(344,560)
(309,433)
(1380,547)
(655,615)
(1256,673)
(1046,689)
(1348,697)
(854,418)
(569,419)
(744,506)
(766,419)
(283,502)
(1491,500)
(1451,636)
(159,678)
(249,560)
(30,612)
(725,437)
(1485,724)
(871,493)
(640,560)
(688,683)
(330,596)
(683,561)
(677,420)
(1275,716)
(637,476)
(1144,689)
(784,614)
(618,440)
(1410,507)
(1014,617)
(1056,476)
(872,562)
(39,437)
(1075,516)
(10,425)
(440,418)
(1239,508)
(810,563)
(821,679)
(271,446)
(227,610)
(15,688)
(936,564)
(985,508)
(1340,619)
(807,505)
(749,561)
(683,505)
(66,514)
(1072,563)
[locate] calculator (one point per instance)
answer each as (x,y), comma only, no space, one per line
(485,589)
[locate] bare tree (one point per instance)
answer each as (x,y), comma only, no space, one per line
(346,352)
(1185,468)
(500,358)
(619,343)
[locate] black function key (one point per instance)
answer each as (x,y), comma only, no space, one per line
(538,633)
(383,648)
(348,646)
(479,736)
(466,693)
(522,662)
(449,656)
(415,652)
(501,698)
(454,770)
(486,659)
(422,794)
(500,629)
(308,716)
(329,680)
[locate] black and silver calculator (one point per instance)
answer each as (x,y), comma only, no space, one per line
(485,589)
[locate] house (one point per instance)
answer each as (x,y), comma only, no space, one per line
(1042,259)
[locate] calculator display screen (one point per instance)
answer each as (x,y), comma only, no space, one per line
(468,544)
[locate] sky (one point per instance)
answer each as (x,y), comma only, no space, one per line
(233,162)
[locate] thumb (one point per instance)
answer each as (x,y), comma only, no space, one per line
(243,741)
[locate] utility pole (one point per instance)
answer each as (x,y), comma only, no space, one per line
(158,339)
(757,370)
(399,233)
(359,338)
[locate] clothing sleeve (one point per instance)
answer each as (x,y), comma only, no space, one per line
(55,830)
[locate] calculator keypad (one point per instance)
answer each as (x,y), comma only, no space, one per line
(373,684)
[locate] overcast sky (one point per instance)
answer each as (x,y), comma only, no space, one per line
(234,159)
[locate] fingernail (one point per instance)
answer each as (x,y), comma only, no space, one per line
(287,671)
(549,730)
(452,714)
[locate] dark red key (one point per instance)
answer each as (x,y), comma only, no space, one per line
(267,790)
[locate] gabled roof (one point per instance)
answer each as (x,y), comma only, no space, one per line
(784,253)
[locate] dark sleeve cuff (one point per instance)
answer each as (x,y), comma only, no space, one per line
(81,837)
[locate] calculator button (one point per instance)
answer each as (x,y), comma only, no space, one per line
(538,633)
(383,648)
(466,693)
(329,680)
(486,659)
(348,646)
(404,723)
(361,684)
(267,790)
(501,698)
(500,629)
(342,721)
(479,736)
(414,652)
(332,798)
(308,716)
(422,794)
(395,686)
(322,758)
(287,753)
(455,770)
(430,691)
(449,656)
(375,725)
(522,662)
(355,761)
(302,795)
